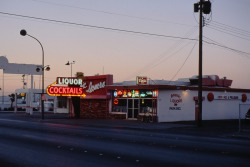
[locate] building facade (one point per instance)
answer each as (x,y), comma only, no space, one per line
(161,101)
(97,97)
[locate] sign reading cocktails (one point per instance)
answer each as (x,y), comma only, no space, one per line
(66,86)
(89,87)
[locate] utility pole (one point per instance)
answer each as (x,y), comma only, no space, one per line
(204,7)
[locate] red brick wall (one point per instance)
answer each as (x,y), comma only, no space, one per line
(93,108)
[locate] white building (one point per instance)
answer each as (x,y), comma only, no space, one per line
(166,101)
(29,100)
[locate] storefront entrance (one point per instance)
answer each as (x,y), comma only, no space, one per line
(134,104)
(133,108)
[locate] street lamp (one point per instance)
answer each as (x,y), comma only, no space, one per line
(68,63)
(24,33)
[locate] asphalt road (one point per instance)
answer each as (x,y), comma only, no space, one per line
(41,143)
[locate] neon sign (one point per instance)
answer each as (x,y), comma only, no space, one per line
(65,91)
(115,93)
(87,87)
(155,93)
(69,81)
(94,87)
(116,101)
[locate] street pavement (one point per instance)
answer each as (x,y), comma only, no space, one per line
(215,128)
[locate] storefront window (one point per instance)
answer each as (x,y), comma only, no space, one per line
(119,105)
(134,102)
(62,102)
(146,106)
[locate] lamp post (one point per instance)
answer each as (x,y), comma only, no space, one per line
(24,33)
(68,63)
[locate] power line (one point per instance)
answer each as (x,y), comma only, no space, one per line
(224,30)
(173,50)
(98,27)
(111,13)
(231,28)
(120,30)
(183,63)
(225,47)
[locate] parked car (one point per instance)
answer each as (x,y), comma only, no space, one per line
(247,116)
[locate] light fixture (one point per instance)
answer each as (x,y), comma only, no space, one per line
(68,63)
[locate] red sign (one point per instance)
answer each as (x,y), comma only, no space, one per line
(116,101)
(141,80)
(65,91)
(93,87)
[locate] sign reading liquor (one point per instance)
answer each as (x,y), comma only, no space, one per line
(176,101)
(89,86)
(63,90)
(69,81)
(141,80)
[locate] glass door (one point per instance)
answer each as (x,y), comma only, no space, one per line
(133,108)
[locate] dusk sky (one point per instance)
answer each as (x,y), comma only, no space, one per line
(126,38)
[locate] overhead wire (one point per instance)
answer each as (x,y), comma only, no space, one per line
(115,29)
(189,54)
(110,13)
(231,28)
(179,45)
(98,27)
(226,29)
(246,54)
(136,32)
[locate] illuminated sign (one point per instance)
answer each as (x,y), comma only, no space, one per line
(129,93)
(115,93)
(119,92)
(125,93)
(143,94)
(69,81)
(116,101)
(137,94)
(22,94)
(90,87)
(65,91)
(133,93)
(141,80)
(94,87)
(155,93)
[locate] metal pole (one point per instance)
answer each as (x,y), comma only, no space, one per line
(71,68)
(199,123)
(239,120)
(3,91)
(42,100)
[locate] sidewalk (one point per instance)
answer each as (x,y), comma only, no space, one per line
(215,128)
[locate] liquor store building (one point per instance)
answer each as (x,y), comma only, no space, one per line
(164,101)
(158,100)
